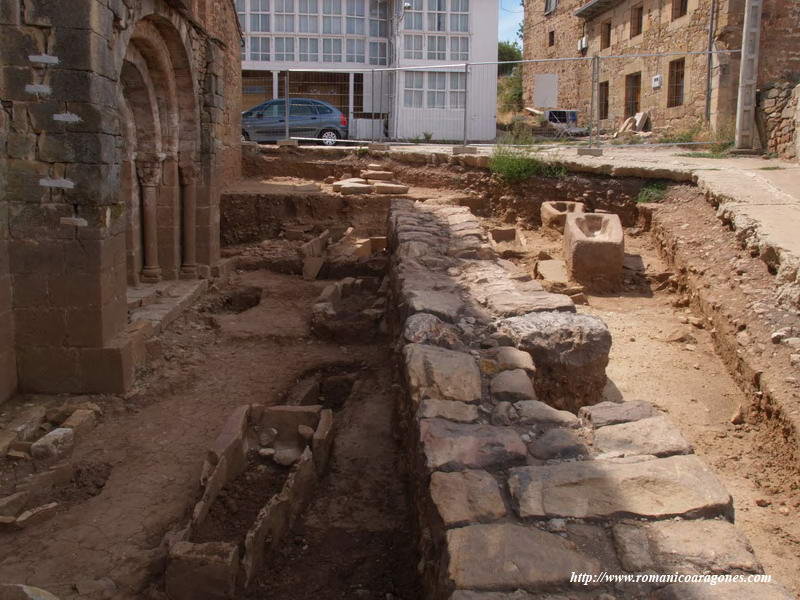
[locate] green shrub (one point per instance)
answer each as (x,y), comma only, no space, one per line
(652,192)
(427,135)
(509,91)
(514,164)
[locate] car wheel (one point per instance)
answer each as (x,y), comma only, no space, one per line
(245,137)
(329,137)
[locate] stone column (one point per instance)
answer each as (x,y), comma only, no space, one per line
(149,172)
(188,176)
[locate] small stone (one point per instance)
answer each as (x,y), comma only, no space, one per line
(448,409)
(12,505)
(511,386)
(287,456)
(533,412)
(558,443)
(266,452)
(56,444)
(762,502)
(82,421)
(267,437)
(557,525)
(305,432)
(738,417)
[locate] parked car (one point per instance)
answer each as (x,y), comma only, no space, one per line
(307,118)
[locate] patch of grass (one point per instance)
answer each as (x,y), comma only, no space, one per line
(709,154)
(516,164)
(652,192)
(361,151)
(770,168)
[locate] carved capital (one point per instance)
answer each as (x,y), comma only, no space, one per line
(149,172)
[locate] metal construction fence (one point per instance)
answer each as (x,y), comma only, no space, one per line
(574,99)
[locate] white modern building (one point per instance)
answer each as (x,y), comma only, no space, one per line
(395,66)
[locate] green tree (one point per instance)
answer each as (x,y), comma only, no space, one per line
(507,51)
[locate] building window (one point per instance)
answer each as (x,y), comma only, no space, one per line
(412,46)
(605,35)
(412,17)
(241,13)
(677,80)
(602,100)
(356,17)
(437,47)
(459,15)
(284,49)
(550,6)
(413,91)
(437,15)
(308,20)
(283,19)
(259,48)
(378,18)
(637,20)
(679,8)
(259,15)
(459,48)
(437,90)
(355,51)
(633,93)
(551,38)
(378,53)
(458,90)
(309,49)
(332,16)
(331,50)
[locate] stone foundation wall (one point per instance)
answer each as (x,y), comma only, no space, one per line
(510,492)
(779,114)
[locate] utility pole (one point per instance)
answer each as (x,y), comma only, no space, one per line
(748,76)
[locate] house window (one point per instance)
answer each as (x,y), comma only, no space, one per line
(259,15)
(637,20)
(459,48)
(605,35)
(679,8)
(308,20)
(413,91)
(309,49)
(551,38)
(602,100)
(459,15)
(550,6)
(355,51)
(284,49)
(458,90)
(437,90)
(356,17)
(437,47)
(412,17)
(412,45)
(259,48)
(332,16)
(378,18)
(437,15)
(675,86)
(377,53)
(633,93)
(284,16)
(331,50)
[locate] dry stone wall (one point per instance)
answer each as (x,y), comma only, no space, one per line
(779,114)
(514,496)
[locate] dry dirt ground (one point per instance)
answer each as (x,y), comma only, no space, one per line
(689,381)
(153,443)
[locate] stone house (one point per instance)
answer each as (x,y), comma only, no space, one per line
(116,136)
(679,89)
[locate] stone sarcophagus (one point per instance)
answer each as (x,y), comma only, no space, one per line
(554,214)
(594,250)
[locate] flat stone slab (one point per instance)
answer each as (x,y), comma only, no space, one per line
(655,488)
(552,270)
(456,446)
(509,556)
(378,175)
(687,546)
(657,436)
(511,386)
(509,304)
(466,497)
(611,413)
(444,305)
(451,410)
(390,188)
(441,374)
(348,189)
